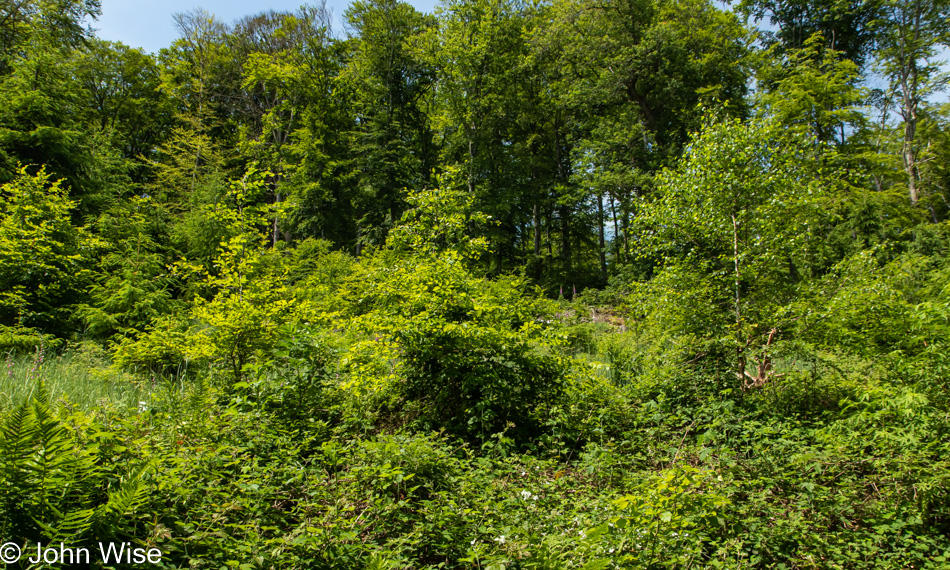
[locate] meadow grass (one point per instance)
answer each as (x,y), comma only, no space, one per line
(80,378)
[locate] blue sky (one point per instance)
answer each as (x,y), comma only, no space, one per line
(148,23)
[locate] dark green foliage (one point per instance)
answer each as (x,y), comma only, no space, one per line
(845,27)
(476,383)
(131,290)
(304,286)
(56,487)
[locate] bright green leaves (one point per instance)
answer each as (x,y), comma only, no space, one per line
(44,259)
(242,303)
(472,355)
(815,91)
(441,221)
(735,227)
(249,297)
(665,522)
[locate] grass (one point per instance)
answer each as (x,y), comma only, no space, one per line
(80,378)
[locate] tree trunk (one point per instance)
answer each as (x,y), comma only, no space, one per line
(566,237)
(613,214)
(740,358)
(276,228)
(600,235)
(536,220)
(910,162)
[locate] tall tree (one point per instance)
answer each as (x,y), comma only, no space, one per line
(812,89)
(845,27)
(636,76)
(479,48)
(44,259)
(42,103)
(122,99)
(911,33)
(59,23)
(735,227)
(391,88)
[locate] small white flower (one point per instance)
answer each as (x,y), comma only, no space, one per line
(143,406)
(500,539)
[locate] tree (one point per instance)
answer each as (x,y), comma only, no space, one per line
(130,290)
(479,50)
(44,259)
(471,351)
(636,75)
(814,90)
(847,28)
(391,89)
(122,99)
(41,102)
(301,123)
(193,63)
(58,22)
(910,35)
(293,123)
(734,231)
(249,300)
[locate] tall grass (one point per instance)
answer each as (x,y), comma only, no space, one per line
(77,378)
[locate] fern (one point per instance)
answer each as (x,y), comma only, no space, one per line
(123,501)
(16,449)
(54,489)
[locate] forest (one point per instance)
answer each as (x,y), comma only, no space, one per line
(516,284)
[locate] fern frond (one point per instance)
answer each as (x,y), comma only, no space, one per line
(16,450)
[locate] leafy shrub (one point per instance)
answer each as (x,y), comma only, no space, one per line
(161,349)
(665,524)
(131,287)
(44,259)
(22,339)
(473,356)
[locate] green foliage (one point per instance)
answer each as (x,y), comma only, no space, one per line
(250,299)
(44,259)
(308,294)
(55,487)
(474,359)
(814,91)
(22,339)
(735,231)
(441,220)
(666,523)
(162,349)
(131,288)
(390,86)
